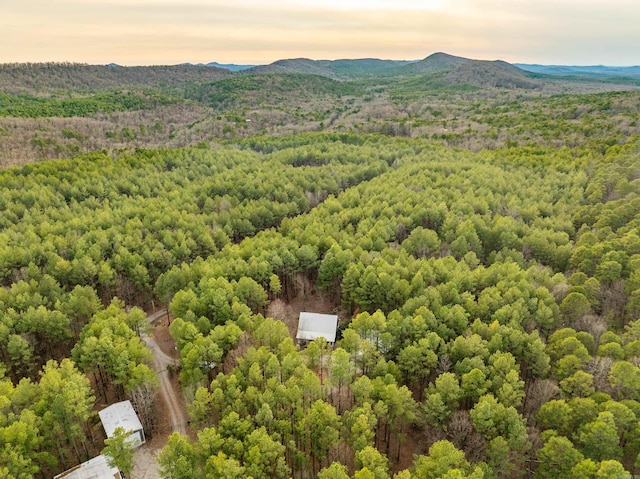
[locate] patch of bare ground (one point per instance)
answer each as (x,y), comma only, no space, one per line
(145,460)
(315,301)
(163,337)
(413,443)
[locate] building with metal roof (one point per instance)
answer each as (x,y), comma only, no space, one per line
(122,415)
(315,325)
(96,468)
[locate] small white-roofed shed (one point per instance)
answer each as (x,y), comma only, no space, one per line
(122,414)
(96,468)
(314,325)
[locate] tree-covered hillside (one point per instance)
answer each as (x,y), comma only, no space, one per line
(52,111)
(488,303)
(47,78)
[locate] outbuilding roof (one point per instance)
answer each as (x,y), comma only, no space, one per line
(314,325)
(96,468)
(120,414)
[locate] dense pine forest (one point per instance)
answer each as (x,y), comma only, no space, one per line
(475,228)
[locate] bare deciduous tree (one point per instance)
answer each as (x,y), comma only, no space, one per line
(540,392)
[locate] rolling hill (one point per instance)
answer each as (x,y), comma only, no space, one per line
(434,62)
(590,71)
(498,74)
(57,110)
(453,74)
(48,77)
(450,70)
(229,66)
(304,66)
(344,69)
(362,68)
(291,89)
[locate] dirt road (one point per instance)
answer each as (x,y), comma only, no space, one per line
(170,397)
(145,461)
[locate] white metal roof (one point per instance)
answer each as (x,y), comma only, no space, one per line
(96,468)
(314,325)
(120,414)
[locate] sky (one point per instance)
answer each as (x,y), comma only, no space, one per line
(167,32)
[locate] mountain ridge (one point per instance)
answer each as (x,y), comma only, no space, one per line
(234,67)
(582,70)
(438,70)
(450,69)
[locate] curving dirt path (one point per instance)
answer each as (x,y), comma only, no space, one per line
(170,397)
(145,460)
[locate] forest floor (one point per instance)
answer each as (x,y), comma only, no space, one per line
(171,413)
(289,313)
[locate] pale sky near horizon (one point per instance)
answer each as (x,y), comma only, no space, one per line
(152,32)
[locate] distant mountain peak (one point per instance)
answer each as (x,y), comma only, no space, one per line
(434,62)
(446,56)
